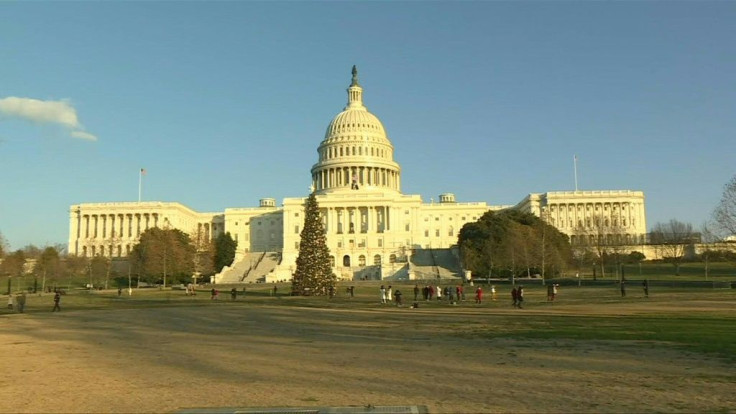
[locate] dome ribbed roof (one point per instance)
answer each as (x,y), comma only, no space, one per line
(355,120)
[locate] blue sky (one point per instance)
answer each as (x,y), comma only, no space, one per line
(225,103)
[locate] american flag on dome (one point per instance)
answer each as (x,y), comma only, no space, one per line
(143,171)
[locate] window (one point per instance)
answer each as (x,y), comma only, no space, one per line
(380,242)
(346,261)
(437,233)
(377,259)
(296,245)
(392,258)
(296,229)
(361,260)
(332,261)
(426,233)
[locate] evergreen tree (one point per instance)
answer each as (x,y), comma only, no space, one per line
(225,248)
(313,274)
(513,243)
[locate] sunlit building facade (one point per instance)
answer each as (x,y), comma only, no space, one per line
(372,228)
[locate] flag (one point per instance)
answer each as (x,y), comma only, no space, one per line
(143,171)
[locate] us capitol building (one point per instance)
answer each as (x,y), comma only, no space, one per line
(373,230)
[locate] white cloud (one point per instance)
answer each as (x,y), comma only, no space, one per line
(83,135)
(53,112)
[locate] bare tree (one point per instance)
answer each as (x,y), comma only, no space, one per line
(3,246)
(48,265)
(74,267)
(13,265)
(603,238)
(708,239)
(673,238)
(725,213)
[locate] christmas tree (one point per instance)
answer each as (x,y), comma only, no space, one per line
(313,274)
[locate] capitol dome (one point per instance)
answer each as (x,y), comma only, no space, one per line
(356,153)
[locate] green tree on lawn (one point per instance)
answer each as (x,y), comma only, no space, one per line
(313,275)
(163,255)
(225,248)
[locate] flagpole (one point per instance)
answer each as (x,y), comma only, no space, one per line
(575,164)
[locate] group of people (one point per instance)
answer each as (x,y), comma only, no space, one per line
(449,293)
(19,302)
(387,294)
(430,292)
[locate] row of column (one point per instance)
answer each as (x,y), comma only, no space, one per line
(104,226)
(352,150)
(578,215)
(349,220)
(346,176)
(110,251)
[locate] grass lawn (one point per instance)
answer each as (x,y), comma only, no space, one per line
(699,319)
(589,351)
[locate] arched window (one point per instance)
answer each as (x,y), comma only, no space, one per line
(392,258)
(346,260)
(332,261)
(361,260)
(377,259)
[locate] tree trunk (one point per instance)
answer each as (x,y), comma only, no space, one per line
(107,274)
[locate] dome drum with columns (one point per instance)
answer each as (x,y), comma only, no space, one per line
(373,231)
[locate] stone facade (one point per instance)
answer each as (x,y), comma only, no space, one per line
(616,216)
(371,226)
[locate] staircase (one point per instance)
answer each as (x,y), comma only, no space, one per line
(249,268)
(265,263)
(435,264)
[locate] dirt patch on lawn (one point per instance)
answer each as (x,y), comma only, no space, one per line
(236,355)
